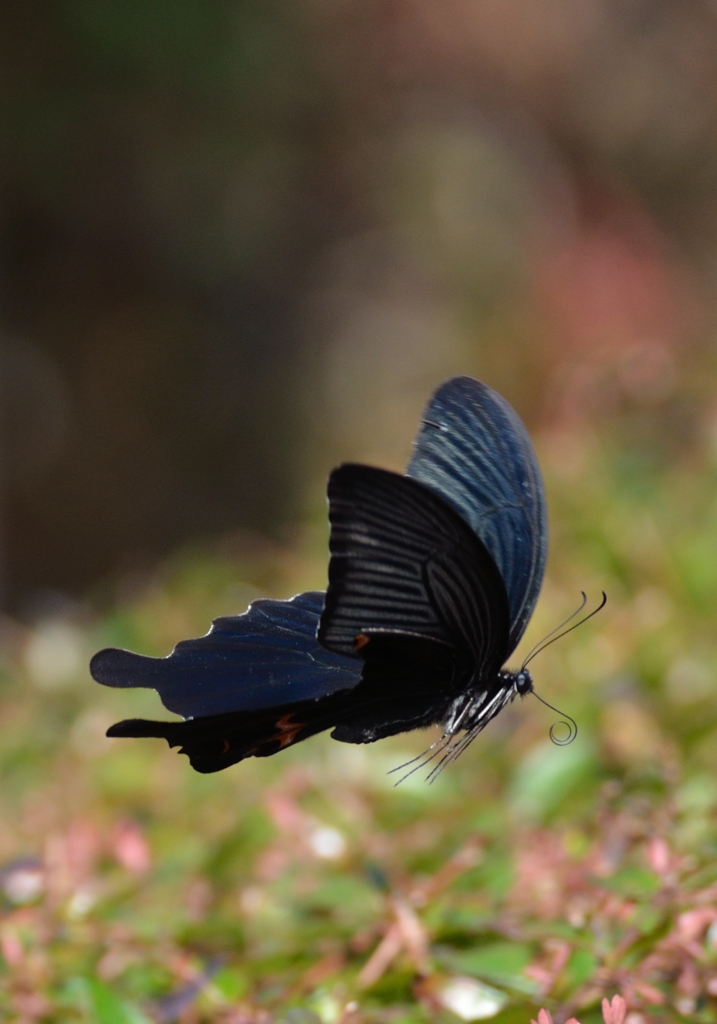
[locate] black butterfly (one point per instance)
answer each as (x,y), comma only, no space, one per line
(432,580)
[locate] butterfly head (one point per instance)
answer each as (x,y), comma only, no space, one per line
(523,682)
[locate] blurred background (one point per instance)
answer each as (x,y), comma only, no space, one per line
(242,242)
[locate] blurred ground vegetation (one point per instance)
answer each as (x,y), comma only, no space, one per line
(306,888)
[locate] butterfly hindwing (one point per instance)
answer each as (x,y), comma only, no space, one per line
(398,691)
(267,657)
(474,452)
(402,561)
(407,683)
(214,742)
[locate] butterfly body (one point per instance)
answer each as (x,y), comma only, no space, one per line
(480,703)
(432,580)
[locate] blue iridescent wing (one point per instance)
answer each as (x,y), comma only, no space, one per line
(267,657)
(474,452)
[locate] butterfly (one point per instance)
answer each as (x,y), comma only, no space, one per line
(433,577)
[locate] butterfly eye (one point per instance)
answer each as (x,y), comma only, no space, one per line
(523,683)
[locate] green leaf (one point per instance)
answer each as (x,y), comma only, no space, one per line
(108,1008)
(548,774)
(499,962)
(631,881)
(231,982)
(581,966)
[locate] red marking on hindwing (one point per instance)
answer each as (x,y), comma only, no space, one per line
(288,730)
(360,641)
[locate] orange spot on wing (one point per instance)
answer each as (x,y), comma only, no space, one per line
(225,746)
(360,641)
(288,730)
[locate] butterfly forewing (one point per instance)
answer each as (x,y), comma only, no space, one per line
(469,602)
(266,657)
(402,561)
(474,451)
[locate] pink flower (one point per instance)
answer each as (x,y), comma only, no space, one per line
(545,1017)
(614,1013)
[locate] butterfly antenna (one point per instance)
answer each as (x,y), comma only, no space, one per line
(565,720)
(546,642)
(572,615)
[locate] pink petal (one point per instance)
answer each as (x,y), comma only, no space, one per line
(614,1013)
(131,848)
(658,856)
